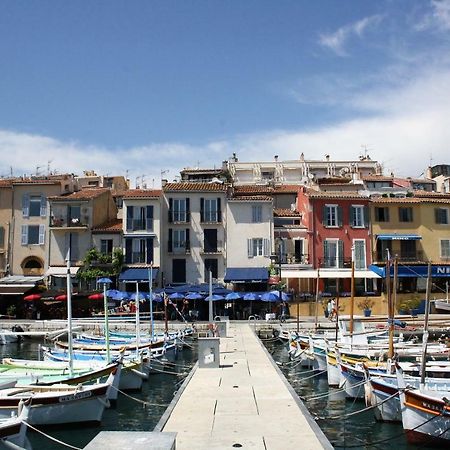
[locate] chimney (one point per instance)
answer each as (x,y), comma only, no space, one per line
(429,173)
(163,183)
(275,158)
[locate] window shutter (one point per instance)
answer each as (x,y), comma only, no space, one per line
(2,237)
(266,246)
(250,248)
(129,218)
(339,216)
(188,210)
(387,214)
(24,234)
(149,220)
(219,210)
(41,234)
(149,250)
(170,217)
(352,215)
(170,242)
(324,216)
(437,215)
(341,253)
(26,205)
(326,254)
(43,206)
(188,242)
(128,250)
(366,216)
(202,209)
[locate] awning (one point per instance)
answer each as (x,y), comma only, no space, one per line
(61,271)
(17,284)
(437,271)
(138,274)
(398,237)
(327,273)
(246,275)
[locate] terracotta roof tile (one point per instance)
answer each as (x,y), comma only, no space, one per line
(113,226)
(422,194)
(84,194)
(408,200)
(195,187)
(285,212)
(142,193)
(265,189)
(376,178)
(345,195)
(251,198)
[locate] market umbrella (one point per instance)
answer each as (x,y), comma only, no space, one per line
(194,296)
(31,297)
(176,296)
(141,296)
(251,296)
(233,296)
(61,297)
(117,295)
(285,297)
(214,297)
(96,296)
(270,297)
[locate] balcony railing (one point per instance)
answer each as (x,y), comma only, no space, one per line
(179,248)
(179,216)
(338,263)
(405,257)
(210,216)
(218,248)
(139,225)
(290,258)
(59,222)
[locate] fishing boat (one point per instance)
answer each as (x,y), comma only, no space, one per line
(13,430)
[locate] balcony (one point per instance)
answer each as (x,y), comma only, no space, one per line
(179,248)
(405,257)
(69,222)
(210,248)
(209,217)
(179,216)
(339,263)
(139,225)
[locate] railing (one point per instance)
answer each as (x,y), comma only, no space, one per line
(179,216)
(404,257)
(69,222)
(218,248)
(180,247)
(139,225)
(210,216)
(290,258)
(138,257)
(336,262)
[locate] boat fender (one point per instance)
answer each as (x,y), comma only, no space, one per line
(275,333)
(143,375)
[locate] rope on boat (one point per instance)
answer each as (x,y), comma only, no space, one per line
(370,444)
(308,371)
(170,364)
(51,437)
(316,397)
(169,372)
(311,376)
(368,408)
(186,344)
(142,402)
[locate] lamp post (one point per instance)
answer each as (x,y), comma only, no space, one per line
(105,282)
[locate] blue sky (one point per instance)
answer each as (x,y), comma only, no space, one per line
(146,86)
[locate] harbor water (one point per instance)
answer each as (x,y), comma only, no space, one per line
(129,414)
(359,431)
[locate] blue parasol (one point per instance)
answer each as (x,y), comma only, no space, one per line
(270,297)
(194,296)
(215,297)
(285,297)
(251,296)
(233,296)
(176,296)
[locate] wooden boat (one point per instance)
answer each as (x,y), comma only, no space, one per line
(13,429)
(58,404)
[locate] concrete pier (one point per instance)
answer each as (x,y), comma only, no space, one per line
(245,403)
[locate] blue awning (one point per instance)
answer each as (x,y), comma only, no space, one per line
(398,237)
(140,274)
(246,275)
(437,271)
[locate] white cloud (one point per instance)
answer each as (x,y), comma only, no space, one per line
(436,19)
(336,41)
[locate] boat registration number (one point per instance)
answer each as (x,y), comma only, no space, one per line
(77,396)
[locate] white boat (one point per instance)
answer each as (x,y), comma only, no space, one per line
(58,404)
(13,430)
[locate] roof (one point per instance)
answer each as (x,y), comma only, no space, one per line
(194,187)
(265,189)
(344,195)
(113,226)
(142,193)
(84,194)
(376,178)
(285,212)
(251,198)
(409,200)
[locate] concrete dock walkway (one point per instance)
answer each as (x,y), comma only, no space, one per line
(246,403)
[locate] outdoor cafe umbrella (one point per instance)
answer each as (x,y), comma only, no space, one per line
(214,298)
(270,297)
(285,297)
(251,296)
(61,297)
(116,295)
(233,296)
(96,296)
(31,297)
(194,296)
(176,296)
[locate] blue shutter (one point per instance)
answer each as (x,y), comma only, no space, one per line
(26,205)
(43,206)
(266,248)
(352,216)
(325,216)
(129,218)
(149,250)
(341,253)
(170,243)
(188,242)
(41,234)
(128,250)
(24,234)
(149,218)
(170,218)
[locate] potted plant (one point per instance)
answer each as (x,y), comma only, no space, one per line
(409,306)
(366,305)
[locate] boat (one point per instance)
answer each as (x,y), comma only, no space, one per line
(13,430)
(59,403)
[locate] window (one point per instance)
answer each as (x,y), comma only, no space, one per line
(408,250)
(179,210)
(360,253)
(382,214)
(33,234)
(256,213)
(332,216)
(357,216)
(179,239)
(211,265)
(441,216)
(138,250)
(258,247)
(74,215)
(445,248)
(405,214)
(210,210)
(34,205)
(333,253)
(106,246)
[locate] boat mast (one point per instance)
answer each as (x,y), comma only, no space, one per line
(150,291)
(138,324)
(317,300)
(352,294)
(390,306)
(425,327)
(69,308)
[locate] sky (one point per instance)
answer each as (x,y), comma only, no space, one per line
(145,88)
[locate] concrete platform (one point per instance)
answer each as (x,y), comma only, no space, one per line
(245,403)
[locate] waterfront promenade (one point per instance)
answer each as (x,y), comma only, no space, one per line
(246,403)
